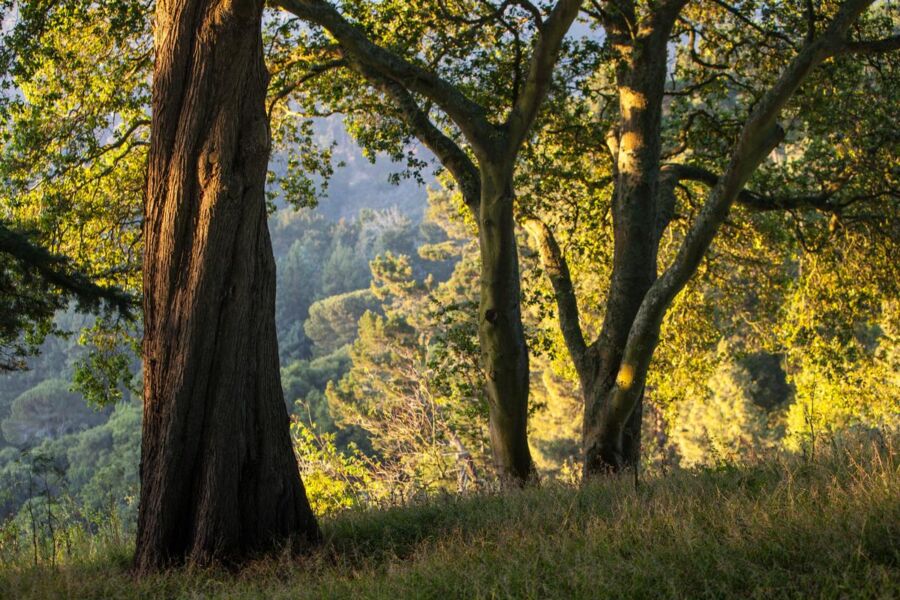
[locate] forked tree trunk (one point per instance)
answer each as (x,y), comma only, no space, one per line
(613,370)
(503,348)
(640,78)
(219,480)
(603,454)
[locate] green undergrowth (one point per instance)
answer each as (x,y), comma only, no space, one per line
(787,528)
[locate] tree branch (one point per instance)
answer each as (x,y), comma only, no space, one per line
(311,73)
(534,10)
(889,44)
(445,149)
(557,270)
(469,116)
(57,271)
(753,25)
(753,200)
(540,71)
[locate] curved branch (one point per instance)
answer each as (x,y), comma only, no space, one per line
(534,11)
(540,71)
(469,116)
(753,25)
(57,271)
(750,199)
(557,270)
(448,152)
(311,73)
(889,44)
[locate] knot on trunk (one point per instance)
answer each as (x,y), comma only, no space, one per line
(491,316)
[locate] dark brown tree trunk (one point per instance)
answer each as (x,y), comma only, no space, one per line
(503,348)
(219,479)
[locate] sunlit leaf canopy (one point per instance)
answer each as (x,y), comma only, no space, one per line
(832,184)
(75,124)
(724,57)
(76,127)
(77,108)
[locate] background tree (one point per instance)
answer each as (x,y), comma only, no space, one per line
(332,321)
(613,369)
(46,411)
(414,387)
(494,130)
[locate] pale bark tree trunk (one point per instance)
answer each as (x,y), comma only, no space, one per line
(612,420)
(636,149)
(504,351)
(488,192)
(219,480)
(613,369)
(503,348)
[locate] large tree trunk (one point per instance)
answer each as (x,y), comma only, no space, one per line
(503,348)
(219,479)
(641,72)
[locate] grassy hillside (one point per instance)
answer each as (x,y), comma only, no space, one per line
(826,528)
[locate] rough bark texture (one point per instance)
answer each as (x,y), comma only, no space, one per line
(503,348)
(219,479)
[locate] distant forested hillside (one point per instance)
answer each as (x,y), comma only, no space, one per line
(52,439)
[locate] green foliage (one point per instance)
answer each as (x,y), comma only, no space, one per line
(844,349)
(730,424)
(332,321)
(318,259)
(79,115)
(102,463)
(334,479)
(415,386)
(814,287)
(304,376)
(106,373)
(93,469)
(72,156)
(304,383)
(25,316)
(35,285)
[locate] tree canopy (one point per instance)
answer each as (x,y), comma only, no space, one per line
(658,231)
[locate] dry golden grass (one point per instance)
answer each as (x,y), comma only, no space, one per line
(787,528)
